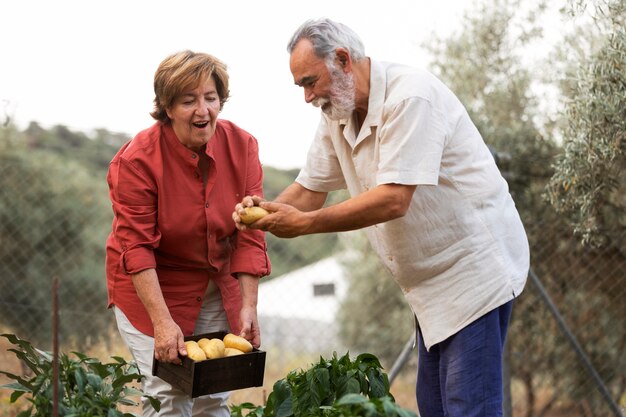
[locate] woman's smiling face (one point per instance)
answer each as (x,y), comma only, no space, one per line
(194,114)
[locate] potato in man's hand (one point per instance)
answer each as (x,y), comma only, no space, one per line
(252,214)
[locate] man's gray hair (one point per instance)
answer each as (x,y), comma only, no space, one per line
(326,36)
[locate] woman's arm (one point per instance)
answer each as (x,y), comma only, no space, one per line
(249,287)
(168,338)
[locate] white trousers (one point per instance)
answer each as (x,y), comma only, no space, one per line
(174,402)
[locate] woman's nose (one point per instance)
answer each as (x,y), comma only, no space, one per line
(202,107)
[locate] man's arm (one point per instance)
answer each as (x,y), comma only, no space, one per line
(380,204)
(301,198)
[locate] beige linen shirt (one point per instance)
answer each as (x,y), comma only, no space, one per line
(461,249)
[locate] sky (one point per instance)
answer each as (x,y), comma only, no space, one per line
(90,64)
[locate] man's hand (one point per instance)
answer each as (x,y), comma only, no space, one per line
(283,221)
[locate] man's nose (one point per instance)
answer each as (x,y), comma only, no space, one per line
(308,95)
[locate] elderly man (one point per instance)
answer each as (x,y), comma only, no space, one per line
(433,203)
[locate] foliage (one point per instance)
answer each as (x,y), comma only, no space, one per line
(337,387)
(47,209)
(86,388)
(484,64)
(587,186)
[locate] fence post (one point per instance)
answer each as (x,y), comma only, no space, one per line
(402,358)
(577,348)
(55,346)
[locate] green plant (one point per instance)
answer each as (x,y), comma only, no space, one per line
(337,387)
(87,387)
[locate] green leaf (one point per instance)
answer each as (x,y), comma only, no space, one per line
(347,384)
(352,399)
(156,404)
(319,387)
(114,413)
(123,380)
(379,383)
(127,401)
(285,409)
(130,391)
(19,380)
(94,380)
(253,410)
(15,395)
(281,390)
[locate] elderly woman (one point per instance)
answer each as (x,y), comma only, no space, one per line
(176,265)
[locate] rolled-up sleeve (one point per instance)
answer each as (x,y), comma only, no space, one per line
(322,171)
(250,254)
(134,201)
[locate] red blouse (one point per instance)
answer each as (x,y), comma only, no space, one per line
(165,218)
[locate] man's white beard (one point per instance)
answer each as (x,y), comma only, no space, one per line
(342,92)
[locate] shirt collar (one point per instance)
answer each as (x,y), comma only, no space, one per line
(175,146)
(378,86)
(376,96)
(375,103)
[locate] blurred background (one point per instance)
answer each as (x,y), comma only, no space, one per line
(557,129)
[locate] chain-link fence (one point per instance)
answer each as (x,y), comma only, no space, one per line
(329,293)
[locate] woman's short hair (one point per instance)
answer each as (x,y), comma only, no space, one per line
(326,36)
(184,70)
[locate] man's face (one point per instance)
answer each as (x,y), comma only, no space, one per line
(331,89)
(340,103)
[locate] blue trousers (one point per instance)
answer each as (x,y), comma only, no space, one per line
(462,376)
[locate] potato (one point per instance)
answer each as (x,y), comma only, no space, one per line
(219,343)
(237,342)
(191,343)
(213,348)
(253,214)
(232,352)
(194,352)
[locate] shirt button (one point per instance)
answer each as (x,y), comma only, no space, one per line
(206,205)
(198,299)
(194,156)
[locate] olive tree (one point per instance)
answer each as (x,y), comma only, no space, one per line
(588,185)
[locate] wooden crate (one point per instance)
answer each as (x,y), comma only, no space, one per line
(213,375)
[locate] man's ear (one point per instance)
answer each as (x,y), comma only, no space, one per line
(344,59)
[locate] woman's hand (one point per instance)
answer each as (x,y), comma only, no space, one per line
(169,342)
(247,201)
(168,338)
(249,287)
(250,326)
